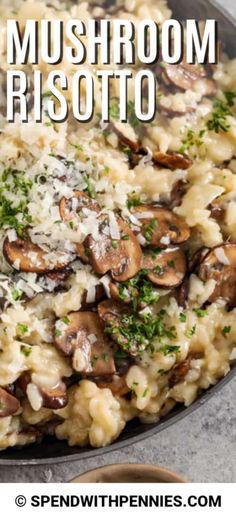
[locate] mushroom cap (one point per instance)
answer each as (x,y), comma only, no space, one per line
(83,338)
(161,223)
(219,264)
(172,160)
(184,75)
(122,257)
(53,399)
(165,269)
(8,403)
(25,256)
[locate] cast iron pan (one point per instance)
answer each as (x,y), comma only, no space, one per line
(53,451)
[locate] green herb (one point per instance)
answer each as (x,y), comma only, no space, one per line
(199,312)
(189,333)
(125,238)
(221,110)
(145,392)
(71,225)
(226,330)
(115,109)
(149,230)
(171,263)
(141,331)
(168,349)
(133,202)
(58,333)
(162,372)
(66,320)
(23,328)
(192,139)
(89,188)
(114,243)
(16,294)
(182,318)
(26,350)
(106,169)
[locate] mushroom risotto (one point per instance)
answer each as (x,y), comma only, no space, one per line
(118,248)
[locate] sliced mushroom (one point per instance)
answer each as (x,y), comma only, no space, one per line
(8,403)
(25,256)
(91,298)
(79,201)
(197,258)
(122,256)
(53,399)
(178,191)
(179,372)
(167,268)
(184,75)
(220,265)
(117,294)
(113,314)
(83,338)
(117,384)
(183,291)
(172,160)
(55,280)
(160,226)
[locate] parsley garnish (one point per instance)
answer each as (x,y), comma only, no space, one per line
(26,350)
(23,328)
(221,109)
(182,318)
(190,333)
(226,330)
(199,312)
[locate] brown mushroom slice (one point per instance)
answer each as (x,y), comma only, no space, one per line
(82,200)
(179,371)
(184,75)
(83,338)
(183,291)
(172,160)
(111,313)
(117,385)
(161,226)
(8,403)
(220,265)
(122,257)
(25,256)
(167,268)
(90,298)
(53,399)
(114,288)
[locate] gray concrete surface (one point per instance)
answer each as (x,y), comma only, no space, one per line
(202,447)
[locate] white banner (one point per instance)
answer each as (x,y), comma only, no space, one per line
(117,502)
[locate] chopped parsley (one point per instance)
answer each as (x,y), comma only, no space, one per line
(65,320)
(226,330)
(190,333)
(182,318)
(135,201)
(139,290)
(26,350)
(89,188)
(149,230)
(192,139)
(168,349)
(222,108)
(199,312)
(140,331)
(23,328)
(58,333)
(16,294)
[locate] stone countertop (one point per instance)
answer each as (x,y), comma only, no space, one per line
(200,447)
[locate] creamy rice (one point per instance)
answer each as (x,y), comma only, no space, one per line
(53,161)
